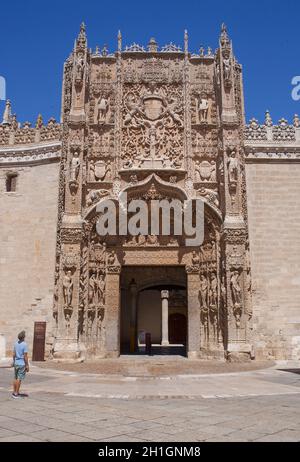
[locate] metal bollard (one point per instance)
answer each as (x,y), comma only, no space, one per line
(148,343)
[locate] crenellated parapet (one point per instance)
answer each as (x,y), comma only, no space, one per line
(272,141)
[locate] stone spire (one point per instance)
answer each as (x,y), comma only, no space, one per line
(7,113)
(81,41)
(119,41)
(224,38)
(186,41)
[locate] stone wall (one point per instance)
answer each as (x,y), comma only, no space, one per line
(27,249)
(273,194)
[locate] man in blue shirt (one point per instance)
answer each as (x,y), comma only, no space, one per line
(20,360)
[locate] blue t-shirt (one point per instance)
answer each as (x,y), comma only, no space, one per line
(20,349)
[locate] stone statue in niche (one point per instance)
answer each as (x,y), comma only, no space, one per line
(233,167)
(203,105)
(68,288)
(203,291)
(75,166)
(226,67)
(236,291)
(102,108)
(213,289)
(100,289)
(79,68)
(92,289)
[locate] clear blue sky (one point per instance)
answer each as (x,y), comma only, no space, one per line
(37,36)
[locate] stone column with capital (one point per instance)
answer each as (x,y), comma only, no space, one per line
(112,312)
(165,317)
(193,343)
(133,316)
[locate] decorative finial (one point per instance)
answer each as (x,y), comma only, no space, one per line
(268,119)
(7,113)
(81,40)
(97,50)
(39,121)
(186,41)
(201,51)
(104,51)
(152,45)
(119,41)
(296,121)
(224,39)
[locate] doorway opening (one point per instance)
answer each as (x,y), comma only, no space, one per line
(153,303)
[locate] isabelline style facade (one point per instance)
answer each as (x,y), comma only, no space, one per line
(156,123)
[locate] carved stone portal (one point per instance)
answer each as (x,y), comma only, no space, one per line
(156,123)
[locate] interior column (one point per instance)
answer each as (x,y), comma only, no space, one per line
(165,317)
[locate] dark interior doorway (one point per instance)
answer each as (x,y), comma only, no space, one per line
(177,328)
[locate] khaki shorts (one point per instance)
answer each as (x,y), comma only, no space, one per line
(20,372)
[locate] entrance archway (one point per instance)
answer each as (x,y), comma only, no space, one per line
(150,295)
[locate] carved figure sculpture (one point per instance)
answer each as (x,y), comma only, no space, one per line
(75,166)
(203,109)
(226,64)
(68,288)
(102,108)
(79,68)
(203,291)
(233,167)
(100,289)
(235,288)
(214,289)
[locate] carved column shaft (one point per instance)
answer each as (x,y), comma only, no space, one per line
(112,315)
(66,344)
(193,345)
(165,317)
(133,317)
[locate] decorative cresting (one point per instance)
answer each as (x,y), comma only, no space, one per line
(23,144)
(13,133)
(270,142)
(154,122)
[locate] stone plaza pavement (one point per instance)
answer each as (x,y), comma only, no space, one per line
(261,405)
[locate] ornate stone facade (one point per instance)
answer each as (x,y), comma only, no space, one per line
(155,123)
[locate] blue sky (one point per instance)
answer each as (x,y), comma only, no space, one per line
(37,36)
